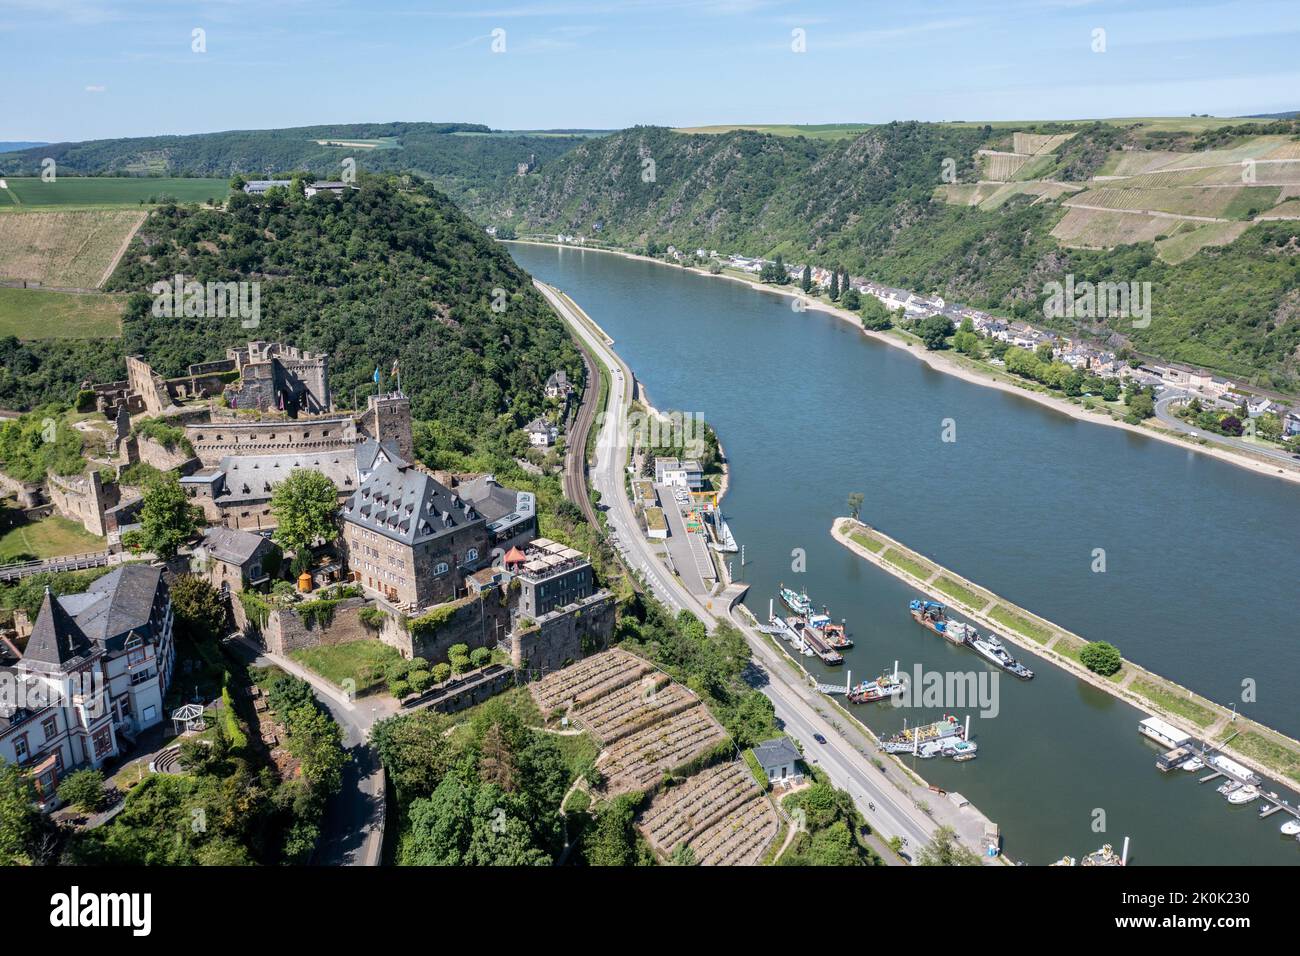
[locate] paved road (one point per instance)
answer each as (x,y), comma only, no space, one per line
(1166,417)
(352,832)
(889,810)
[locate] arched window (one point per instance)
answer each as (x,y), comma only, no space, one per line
(471,554)
(441,568)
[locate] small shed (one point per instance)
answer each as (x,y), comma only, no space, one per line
(779,759)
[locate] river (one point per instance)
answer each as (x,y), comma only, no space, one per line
(1202,559)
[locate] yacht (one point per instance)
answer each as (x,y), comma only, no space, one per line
(990,648)
(1291,828)
(1193,765)
(1243,795)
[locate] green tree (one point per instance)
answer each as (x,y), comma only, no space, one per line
(83,789)
(317,743)
(682,855)
(304,505)
(851,300)
(19,818)
(835,286)
(874,314)
(1101,657)
(934,331)
(944,850)
(167,519)
(415,752)
(200,612)
(855,504)
(612,841)
(805,283)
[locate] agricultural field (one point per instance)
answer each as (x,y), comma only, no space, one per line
(1185,244)
(113,191)
(1287,210)
(829,131)
(719,813)
(70,249)
(31,314)
(1000,167)
(1104,229)
(1227,202)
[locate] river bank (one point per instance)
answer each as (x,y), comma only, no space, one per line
(1196,715)
(952,364)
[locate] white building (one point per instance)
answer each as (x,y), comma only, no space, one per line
(94,672)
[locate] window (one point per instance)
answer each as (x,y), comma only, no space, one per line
(441,568)
(50,727)
(471,554)
(103,741)
(20,749)
(150,713)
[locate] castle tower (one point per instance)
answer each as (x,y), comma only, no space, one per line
(388,418)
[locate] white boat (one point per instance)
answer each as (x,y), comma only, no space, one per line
(1291,828)
(1193,765)
(991,649)
(1243,795)
(1228,786)
(961,750)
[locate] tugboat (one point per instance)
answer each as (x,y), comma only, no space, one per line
(908,740)
(832,633)
(991,649)
(1106,856)
(797,602)
(886,685)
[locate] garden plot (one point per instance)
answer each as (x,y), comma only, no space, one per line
(691,814)
(640,760)
(594,676)
(740,837)
(633,707)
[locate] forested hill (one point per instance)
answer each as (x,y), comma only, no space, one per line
(990,232)
(460,156)
(381,274)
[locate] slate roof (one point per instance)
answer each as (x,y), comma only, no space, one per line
(776,753)
(408,505)
(368,451)
(75,625)
(232,545)
(251,477)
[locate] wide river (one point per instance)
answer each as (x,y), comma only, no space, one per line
(1202,559)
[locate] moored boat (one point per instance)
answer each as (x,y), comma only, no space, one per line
(796,601)
(831,632)
(905,741)
(1243,795)
(886,685)
(990,648)
(1291,828)
(1106,856)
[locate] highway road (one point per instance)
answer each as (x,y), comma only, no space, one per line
(889,810)
(1167,417)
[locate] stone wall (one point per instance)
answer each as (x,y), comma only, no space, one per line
(27,494)
(466,690)
(84,499)
(271,436)
(477,621)
(566,635)
(161,457)
(286,631)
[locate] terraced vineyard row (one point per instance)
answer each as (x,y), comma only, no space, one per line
(703,811)
(639,760)
(587,679)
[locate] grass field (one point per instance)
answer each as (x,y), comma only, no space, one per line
(1183,246)
(871,544)
(960,592)
(1175,703)
(360,661)
(1019,624)
(31,314)
(915,568)
(113,191)
(1104,229)
(71,249)
(23,540)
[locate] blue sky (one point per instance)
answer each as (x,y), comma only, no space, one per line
(82,69)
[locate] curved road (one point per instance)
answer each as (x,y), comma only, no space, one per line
(1166,417)
(889,810)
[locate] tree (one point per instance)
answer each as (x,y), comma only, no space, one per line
(806,282)
(874,314)
(944,850)
(304,505)
(851,300)
(934,331)
(19,819)
(84,790)
(480,657)
(317,743)
(415,752)
(835,286)
(612,841)
(200,612)
(167,519)
(1101,657)
(855,504)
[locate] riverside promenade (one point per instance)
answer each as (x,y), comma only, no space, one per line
(1264,750)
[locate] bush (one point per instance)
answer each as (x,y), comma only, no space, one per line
(83,790)
(1101,658)
(399,688)
(480,657)
(419,681)
(441,672)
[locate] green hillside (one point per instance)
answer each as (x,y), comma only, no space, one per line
(382,274)
(1225,294)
